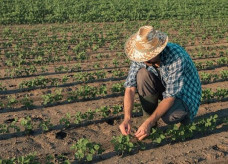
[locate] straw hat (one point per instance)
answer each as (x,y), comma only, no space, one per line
(145,44)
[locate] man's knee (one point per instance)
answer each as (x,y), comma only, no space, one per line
(174,117)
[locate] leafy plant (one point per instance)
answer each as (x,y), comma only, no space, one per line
(28,103)
(11,101)
(27,124)
(52,98)
(122,144)
(45,125)
(104,111)
(117,87)
(85,150)
(66,120)
(156,135)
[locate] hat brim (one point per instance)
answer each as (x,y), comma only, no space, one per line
(139,56)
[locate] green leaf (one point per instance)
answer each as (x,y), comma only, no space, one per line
(96,147)
(89,157)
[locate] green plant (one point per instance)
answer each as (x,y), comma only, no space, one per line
(90,114)
(117,73)
(122,144)
(117,109)
(66,120)
(221,93)
(207,94)
(224,74)
(4,128)
(28,103)
(79,117)
(27,124)
(205,77)
(31,158)
(2,88)
(45,125)
(52,98)
(156,135)
(85,150)
(117,87)
(11,101)
(104,111)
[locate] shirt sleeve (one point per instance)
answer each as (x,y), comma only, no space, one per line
(131,78)
(175,78)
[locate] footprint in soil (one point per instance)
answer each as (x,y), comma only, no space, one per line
(60,135)
(110,121)
(9,120)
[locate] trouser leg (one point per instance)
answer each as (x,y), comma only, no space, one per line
(177,113)
(150,89)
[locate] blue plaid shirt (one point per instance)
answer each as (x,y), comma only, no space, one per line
(178,75)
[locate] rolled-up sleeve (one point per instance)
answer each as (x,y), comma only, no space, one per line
(131,78)
(175,79)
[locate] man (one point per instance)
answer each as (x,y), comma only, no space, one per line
(159,70)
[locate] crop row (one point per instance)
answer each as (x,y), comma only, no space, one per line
(85,150)
(88,92)
(28,125)
(210,64)
(56,97)
(193,28)
(87,77)
(76,55)
(60,47)
(22,71)
(77,41)
(213,77)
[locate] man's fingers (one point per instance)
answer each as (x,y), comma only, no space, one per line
(143,136)
(128,129)
(141,132)
(123,130)
(138,131)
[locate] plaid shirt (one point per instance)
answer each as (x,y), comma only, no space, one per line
(178,75)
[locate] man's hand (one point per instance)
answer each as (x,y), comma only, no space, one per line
(125,127)
(144,130)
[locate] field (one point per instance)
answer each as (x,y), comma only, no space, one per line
(61,88)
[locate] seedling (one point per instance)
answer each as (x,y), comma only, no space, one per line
(79,117)
(85,150)
(117,109)
(4,128)
(104,111)
(11,101)
(28,103)
(45,125)
(27,124)
(156,135)
(31,158)
(66,120)
(117,87)
(52,98)
(122,144)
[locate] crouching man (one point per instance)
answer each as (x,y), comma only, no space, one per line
(159,70)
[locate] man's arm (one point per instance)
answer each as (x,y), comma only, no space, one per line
(163,107)
(129,95)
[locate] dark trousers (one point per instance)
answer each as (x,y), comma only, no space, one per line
(150,90)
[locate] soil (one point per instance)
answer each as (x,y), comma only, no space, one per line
(211,147)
